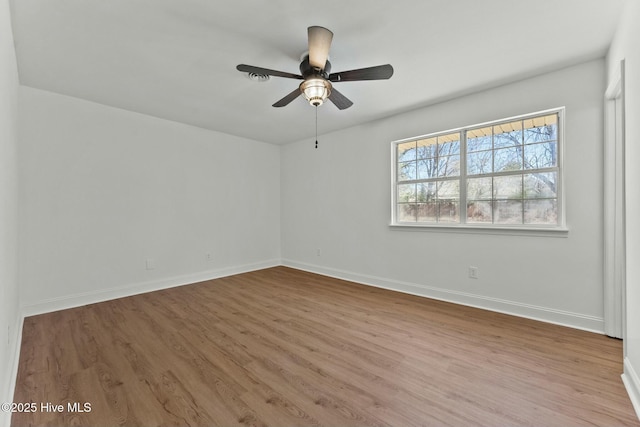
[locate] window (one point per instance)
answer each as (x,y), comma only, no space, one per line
(505,173)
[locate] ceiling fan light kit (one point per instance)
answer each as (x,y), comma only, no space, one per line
(315,90)
(314,71)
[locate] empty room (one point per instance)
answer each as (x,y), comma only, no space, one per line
(294,213)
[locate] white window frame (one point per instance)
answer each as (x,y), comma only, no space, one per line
(556,230)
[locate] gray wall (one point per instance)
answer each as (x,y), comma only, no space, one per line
(102,190)
(337,199)
(9,302)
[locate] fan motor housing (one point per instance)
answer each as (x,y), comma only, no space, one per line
(308,71)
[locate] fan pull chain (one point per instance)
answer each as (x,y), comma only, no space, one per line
(316,127)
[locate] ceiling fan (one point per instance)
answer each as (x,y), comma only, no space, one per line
(316,76)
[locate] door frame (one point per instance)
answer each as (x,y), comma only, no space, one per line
(614,207)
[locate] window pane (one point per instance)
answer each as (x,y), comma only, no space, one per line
(426,192)
(427,168)
(427,212)
(407,151)
(480,188)
(543,211)
(540,134)
(480,163)
(449,190)
(507,134)
(479,211)
(540,185)
(507,212)
(539,129)
(507,159)
(448,211)
(407,212)
(406,193)
(427,148)
(542,155)
(449,144)
(407,171)
(507,187)
(449,165)
(479,139)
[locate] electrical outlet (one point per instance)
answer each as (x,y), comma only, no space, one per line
(473,272)
(209,256)
(151,264)
(318,252)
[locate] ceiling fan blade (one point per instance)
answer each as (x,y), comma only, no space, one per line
(340,101)
(319,44)
(380,72)
(287,99)
(259,70)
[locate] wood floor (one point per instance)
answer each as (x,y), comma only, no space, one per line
(282,347)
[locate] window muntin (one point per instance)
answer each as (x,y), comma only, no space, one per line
(505,173)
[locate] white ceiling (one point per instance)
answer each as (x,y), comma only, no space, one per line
(176,59)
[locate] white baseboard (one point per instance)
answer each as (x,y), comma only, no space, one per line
(544,314)
(549,315)
(92,297)
(631,382)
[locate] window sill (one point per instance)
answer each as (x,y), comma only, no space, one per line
(483,229)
